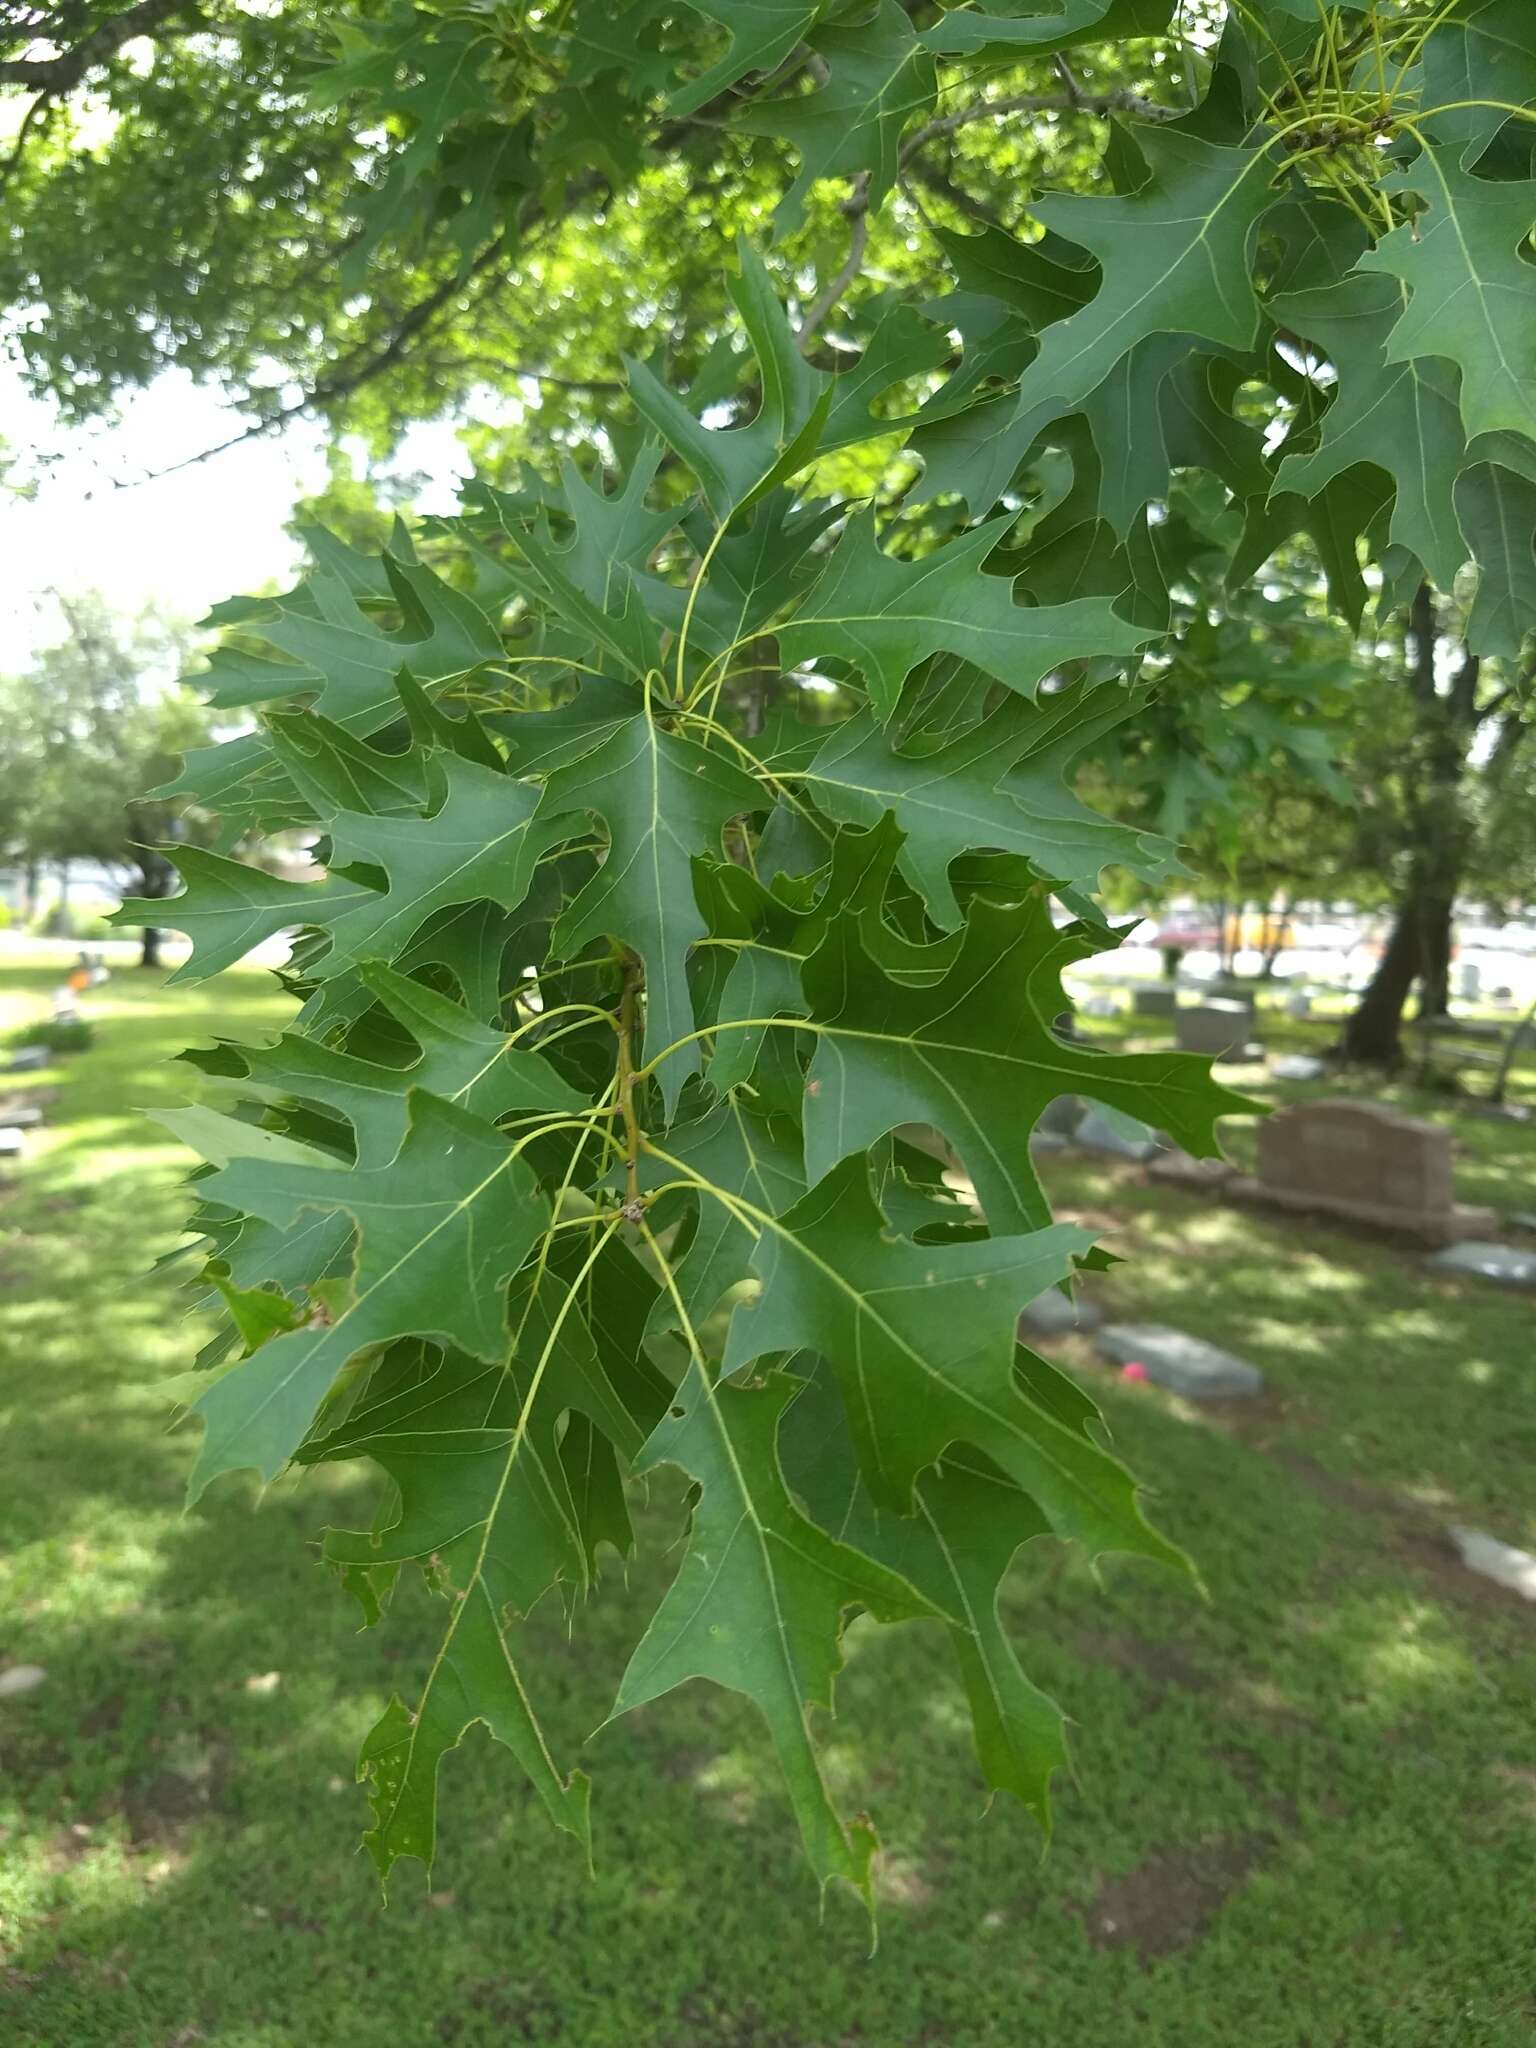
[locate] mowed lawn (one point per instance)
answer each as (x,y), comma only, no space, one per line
(1304,1805)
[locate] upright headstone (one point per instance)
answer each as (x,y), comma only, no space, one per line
(1160,1000)
(1218,1028)
(1365,1163)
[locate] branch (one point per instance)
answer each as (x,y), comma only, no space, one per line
(1071,100)
(856,207)
(350,375)
(54,75)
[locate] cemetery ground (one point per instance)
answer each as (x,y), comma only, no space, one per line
(1304,1811)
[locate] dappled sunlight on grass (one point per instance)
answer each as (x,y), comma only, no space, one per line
(1319,1739)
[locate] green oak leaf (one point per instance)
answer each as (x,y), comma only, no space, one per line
(334,770)
(973,1053)
(242,781)
(460,1060)
(878,76)
(1401,415)
(762,32)
(1481,55)
(477,839)
(663,799)
(1473,297)
(1001,29)
(969,1522)
(1175,261)
(886,615)
(494,1496)
(1353,505)
(905,343)
(539,742)
(441,1229)
(922,1340)
(772,930)
(764,560)
(226,907)
(738,465)
(736,1148)
(1003,783)
(336,653)
(1498,511)
(760,1598)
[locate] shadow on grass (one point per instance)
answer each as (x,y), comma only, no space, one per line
(1299,1813)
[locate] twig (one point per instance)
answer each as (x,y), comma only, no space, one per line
(856,208)
(1073,100)
(60,74)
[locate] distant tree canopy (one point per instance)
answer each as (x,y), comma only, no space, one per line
(84,732)
(383,213)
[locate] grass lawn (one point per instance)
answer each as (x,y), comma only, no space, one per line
(1304,1813)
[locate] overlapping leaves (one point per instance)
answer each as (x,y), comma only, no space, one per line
(684,982)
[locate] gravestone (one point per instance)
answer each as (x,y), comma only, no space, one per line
(1097,1134)
(1365,1163)
(1184,1365)
(11,1142)
(1298,1004)
(1061,1115)
(1161,1000)
(1098,1006)
(1180,1169)
(30,1060)
(1052,1314)
(1498,1561)
(1297,1066)
(1506,1264)
(1218,1028)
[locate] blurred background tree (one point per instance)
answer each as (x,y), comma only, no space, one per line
(88,727)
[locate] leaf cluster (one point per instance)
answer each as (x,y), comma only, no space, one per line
(705,841)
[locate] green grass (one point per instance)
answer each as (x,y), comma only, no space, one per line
(1304,1813)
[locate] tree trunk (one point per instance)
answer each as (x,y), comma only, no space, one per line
(1435,968)
(149,949)
(1374,1032)
(1419,948)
